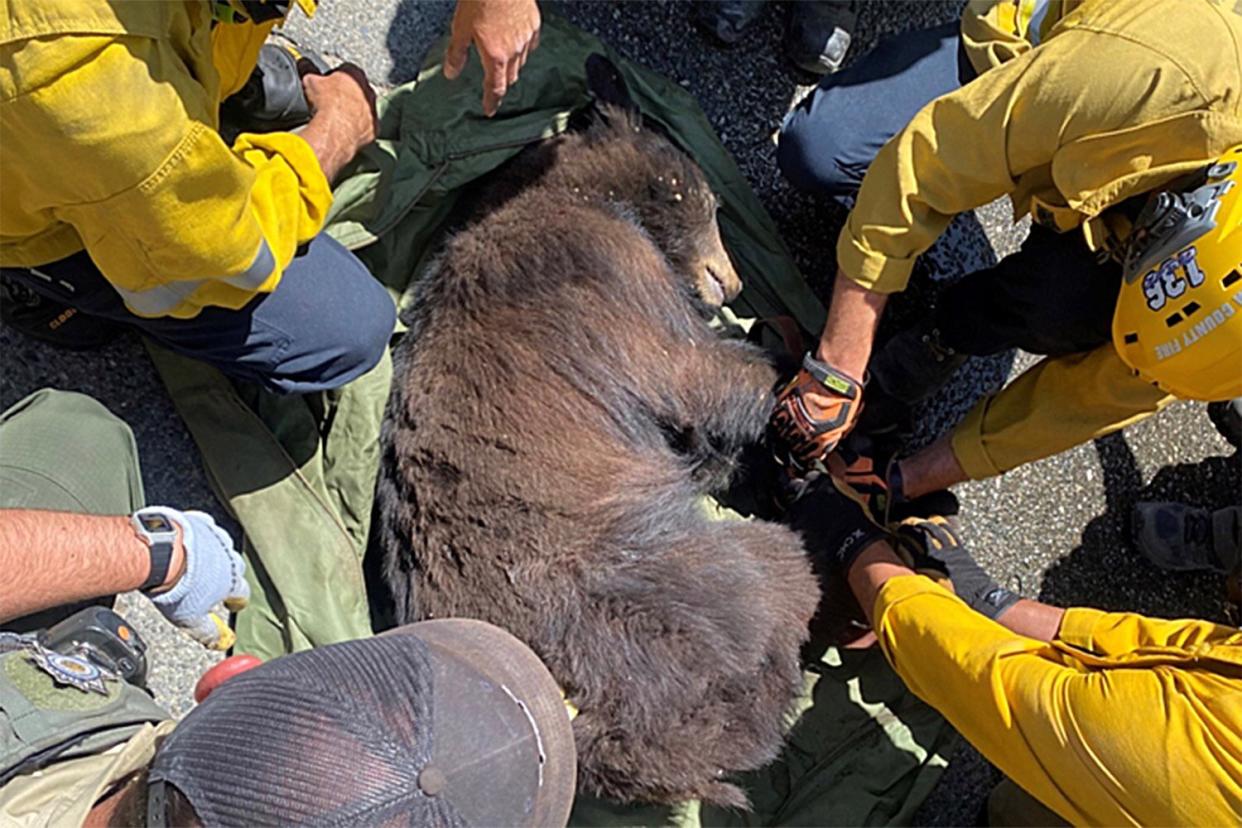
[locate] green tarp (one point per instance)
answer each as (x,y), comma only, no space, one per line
(298,472)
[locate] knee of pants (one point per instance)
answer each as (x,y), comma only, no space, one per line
(342,342)
(81,419)
(370,330)
(812,150)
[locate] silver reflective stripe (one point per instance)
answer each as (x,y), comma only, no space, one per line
(161,299)
(253,277)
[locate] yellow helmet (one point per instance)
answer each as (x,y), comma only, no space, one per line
(1178,321)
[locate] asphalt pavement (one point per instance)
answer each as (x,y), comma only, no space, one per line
(1055,530)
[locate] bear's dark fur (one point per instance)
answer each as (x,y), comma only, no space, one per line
(559,408)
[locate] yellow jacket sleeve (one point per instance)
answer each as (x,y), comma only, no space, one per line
(997,31)
(1066,129)
(235,51)
(1128,737)
(952,157)
(1125,634)
(174,218)
(991,33)
(1058,403)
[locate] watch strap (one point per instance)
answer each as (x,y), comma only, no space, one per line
(160,549)
(161,559)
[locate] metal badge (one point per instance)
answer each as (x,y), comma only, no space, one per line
(71,671)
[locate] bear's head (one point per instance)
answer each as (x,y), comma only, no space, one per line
(673,202)
(637,168)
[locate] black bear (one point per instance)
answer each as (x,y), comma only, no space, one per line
(560,407)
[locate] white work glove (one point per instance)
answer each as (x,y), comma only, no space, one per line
(214,572)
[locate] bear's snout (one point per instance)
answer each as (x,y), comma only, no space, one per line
(715,279)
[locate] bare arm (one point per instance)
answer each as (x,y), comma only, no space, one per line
(54,558)
(850,328)
(878,563)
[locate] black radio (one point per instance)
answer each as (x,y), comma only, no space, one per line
(105,639)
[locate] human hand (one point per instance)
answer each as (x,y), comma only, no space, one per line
(871,472)
(504,32)
(835,526)
(813,413)
(213,572)
(343,118)
(935,544)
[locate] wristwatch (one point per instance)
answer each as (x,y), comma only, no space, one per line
(157,529)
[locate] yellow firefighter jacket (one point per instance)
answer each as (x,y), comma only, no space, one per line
(1079,105)
(1112,100)
(108,142)
(1120,720)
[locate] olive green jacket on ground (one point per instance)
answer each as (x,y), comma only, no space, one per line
(298,472)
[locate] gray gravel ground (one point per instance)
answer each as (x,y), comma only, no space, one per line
(1055,530)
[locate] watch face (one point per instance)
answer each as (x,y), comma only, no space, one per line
(155,524)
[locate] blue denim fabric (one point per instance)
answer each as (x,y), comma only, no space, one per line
(829,140)
(328,321)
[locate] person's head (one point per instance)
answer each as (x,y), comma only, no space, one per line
(451,722)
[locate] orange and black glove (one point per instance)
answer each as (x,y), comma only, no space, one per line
(872,473)
(813,412)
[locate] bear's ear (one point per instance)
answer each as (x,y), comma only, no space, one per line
(605,82)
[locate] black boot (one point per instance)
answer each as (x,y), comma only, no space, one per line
(819,34)
(52,322)
(1178,537)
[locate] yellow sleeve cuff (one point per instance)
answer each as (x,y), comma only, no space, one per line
(968,446)
(313,186)
(868,268)
(1078,627)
